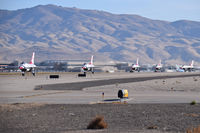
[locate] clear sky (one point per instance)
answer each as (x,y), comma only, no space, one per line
(170,10)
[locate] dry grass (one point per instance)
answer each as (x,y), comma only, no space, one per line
(97,123)
(194,130)
(178,82)
(10,73)
(192,115)
(152,127)
(195,79)
(18,106)
(193,102)
(124,102)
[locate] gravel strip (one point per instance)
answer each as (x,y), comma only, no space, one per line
(48,118)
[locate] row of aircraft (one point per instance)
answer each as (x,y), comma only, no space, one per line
(30,67)
(159,67)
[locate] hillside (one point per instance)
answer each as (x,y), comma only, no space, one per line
(56,32)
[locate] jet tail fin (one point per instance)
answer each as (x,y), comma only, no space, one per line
(137,61)
(32,59)
(91,61)
(159,64)
(192,63)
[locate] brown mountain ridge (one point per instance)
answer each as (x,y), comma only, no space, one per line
(56,32)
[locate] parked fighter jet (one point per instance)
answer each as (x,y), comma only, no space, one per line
(159,67)
(28,67)
(188,68)
(88,66)
(135,67)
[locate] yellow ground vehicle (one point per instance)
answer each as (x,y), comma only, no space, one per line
(123,93)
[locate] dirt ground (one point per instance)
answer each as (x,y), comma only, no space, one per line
(49,118)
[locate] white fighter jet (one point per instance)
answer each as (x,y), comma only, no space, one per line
(28,67)
(159,67)
(88,66)
(188,68)
(135,67)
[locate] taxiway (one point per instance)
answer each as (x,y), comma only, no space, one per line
(70,89)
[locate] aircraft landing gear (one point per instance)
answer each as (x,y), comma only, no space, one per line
(23,73)
(33,74)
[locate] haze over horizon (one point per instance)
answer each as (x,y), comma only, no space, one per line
(171,10)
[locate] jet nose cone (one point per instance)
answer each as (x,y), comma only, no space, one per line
(21,67)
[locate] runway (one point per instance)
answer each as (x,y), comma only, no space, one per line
(86,84)
(70,89)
